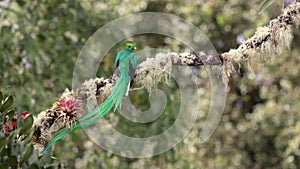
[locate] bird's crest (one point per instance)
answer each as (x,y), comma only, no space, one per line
(129,46)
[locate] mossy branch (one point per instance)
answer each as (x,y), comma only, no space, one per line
(267,42)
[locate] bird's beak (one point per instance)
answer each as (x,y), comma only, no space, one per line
(134,48)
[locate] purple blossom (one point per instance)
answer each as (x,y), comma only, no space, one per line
(240,39)
(287,2)
(26,63)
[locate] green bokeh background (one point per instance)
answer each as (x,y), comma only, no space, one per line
(260,128)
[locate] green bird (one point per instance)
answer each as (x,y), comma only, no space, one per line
(125,65)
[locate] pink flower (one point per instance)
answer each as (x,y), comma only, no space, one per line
(69,108)
(68,105)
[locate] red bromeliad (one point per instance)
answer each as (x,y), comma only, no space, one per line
(12,124)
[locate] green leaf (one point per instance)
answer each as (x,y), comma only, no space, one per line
(2,141)
(12,162)
(1,96)
(265,5)
(11,137)
(7,103)
(2,151)
(20,2)
(26,124)
(27,153)
(33,166)
(2,166)
(10,114)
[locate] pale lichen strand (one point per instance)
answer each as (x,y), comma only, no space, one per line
(104,88)
(95,89)
(186,58)
(267,42)
(90,90)
(154,70)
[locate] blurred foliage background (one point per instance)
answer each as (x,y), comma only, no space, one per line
(260,128)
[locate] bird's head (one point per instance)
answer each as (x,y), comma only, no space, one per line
(130,46)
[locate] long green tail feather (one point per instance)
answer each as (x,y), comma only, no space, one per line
(112,97)
(63,132)
(121,93)
(115,98)
(89,118)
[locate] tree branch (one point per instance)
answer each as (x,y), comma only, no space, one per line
(267,42)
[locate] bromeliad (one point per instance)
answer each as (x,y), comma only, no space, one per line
(125,65)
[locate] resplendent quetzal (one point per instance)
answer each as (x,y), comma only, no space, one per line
(125,65)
